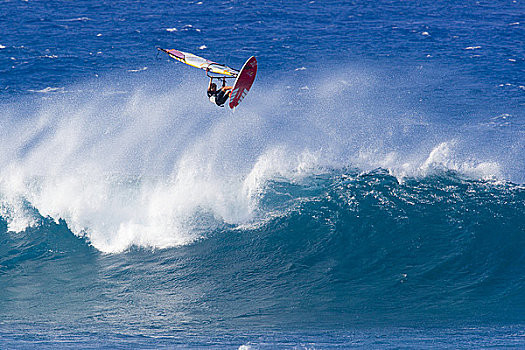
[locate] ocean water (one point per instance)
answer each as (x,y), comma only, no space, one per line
(367,193)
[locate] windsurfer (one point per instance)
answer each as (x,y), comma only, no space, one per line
(218,97)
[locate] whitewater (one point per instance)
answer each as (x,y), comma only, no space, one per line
(140,168)
(368,192)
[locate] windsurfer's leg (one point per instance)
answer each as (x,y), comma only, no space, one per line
(222,96)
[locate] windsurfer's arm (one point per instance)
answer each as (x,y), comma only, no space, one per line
(209,85)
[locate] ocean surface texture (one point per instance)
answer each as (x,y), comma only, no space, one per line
(368,192)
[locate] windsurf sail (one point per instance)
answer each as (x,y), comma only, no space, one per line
(202,63)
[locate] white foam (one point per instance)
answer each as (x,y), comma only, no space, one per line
(49,89)
(16,213)
(171,30)
(115,174)
(278,162)
(188,27)
(162,168)
(138,70)
(80,19)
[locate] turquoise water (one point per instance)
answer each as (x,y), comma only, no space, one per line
(368,192)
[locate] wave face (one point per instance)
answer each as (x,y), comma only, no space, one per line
(371,184)
(337,248)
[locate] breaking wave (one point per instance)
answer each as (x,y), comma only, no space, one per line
(161,167)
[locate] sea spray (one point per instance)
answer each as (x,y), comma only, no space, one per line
(141,167)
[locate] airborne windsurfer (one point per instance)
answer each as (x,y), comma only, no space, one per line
(243,78)
(218,97)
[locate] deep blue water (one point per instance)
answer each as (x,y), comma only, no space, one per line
(368,192)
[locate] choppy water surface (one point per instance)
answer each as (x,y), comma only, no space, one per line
(368,192)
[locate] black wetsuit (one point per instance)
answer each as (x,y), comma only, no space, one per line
(221,96)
